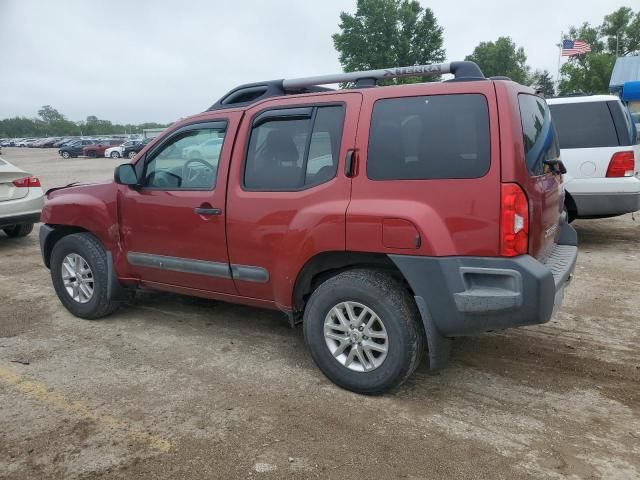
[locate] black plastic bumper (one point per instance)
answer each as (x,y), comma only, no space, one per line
(467,295)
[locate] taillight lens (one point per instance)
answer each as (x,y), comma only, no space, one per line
(27,182)
(514,221)
(621,164)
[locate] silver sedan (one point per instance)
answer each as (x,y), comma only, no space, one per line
(21,200)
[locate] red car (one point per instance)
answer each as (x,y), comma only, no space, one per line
(383,219)
(97,149)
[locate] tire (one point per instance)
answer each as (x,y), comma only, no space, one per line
(397,312)
(89,249)
(91,154)
(131,155)
(66,155)
(114,155)
(21,230)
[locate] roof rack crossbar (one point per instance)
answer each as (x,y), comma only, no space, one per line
(459,69)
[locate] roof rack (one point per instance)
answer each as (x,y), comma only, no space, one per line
(253,92)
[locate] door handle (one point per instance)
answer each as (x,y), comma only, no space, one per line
(208,211)
(349,164)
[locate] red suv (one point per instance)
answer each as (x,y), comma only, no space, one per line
(384,219)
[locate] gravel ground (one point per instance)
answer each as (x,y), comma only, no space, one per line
(180,388)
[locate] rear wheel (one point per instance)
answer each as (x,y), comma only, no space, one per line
(363,331)
(21,230)
(79,275)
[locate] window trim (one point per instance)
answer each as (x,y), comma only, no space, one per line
(153,153)
(314,107)
(488,111)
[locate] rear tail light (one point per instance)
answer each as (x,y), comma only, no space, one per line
(27,182)
(621,164)
(514,221)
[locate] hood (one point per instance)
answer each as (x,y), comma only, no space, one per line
(75,187)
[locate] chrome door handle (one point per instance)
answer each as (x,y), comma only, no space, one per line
(208,211)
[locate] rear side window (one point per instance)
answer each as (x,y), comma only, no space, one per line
(584,125)
(429,137)
(538,133)
(288,154)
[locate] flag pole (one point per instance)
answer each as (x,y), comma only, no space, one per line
(559,63)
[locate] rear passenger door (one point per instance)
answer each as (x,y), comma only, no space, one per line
(288,192)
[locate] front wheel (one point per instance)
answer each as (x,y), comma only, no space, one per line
(79,275)
(363,330)
(91,154)
(66,155)
(131,155)
(115,155)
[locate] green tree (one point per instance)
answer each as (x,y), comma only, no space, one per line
(387,33)
(541,80)
(501,57)
(591,72)
(621,31)
(49,114)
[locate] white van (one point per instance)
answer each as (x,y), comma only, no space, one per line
(598,145)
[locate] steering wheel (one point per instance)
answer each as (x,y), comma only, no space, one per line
(162,179)
(190,175)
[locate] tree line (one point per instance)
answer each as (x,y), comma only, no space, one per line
(383,33)
(51,123)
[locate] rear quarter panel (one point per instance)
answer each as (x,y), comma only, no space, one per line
(451,216)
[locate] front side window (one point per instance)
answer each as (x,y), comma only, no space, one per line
(429,137)
(287,154)
(188,161)
(538,133)
(584,125)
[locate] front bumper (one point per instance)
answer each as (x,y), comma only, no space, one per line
(467,295)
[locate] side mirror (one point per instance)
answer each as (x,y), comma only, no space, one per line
(125,174)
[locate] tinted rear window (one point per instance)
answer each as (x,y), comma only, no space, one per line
(584,125)
(538,133)
(429,137)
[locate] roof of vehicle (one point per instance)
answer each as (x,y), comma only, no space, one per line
(582,99)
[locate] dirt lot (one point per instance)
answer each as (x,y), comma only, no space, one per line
(174,387)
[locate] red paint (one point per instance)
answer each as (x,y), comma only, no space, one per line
(281,231)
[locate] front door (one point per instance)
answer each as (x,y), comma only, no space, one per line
(173,225)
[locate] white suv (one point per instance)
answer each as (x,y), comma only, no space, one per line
(598,144)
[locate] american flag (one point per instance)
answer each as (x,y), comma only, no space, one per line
(574,47)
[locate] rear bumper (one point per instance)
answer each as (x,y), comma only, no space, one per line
(22,210)
(606,204)
(19,219)
(468,295)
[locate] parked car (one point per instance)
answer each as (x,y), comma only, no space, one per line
(434,214)
(116,152)
(207,150)
(98,149)
(132,150)
(21,200)
(24,142)
(600,151)
(74,148)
